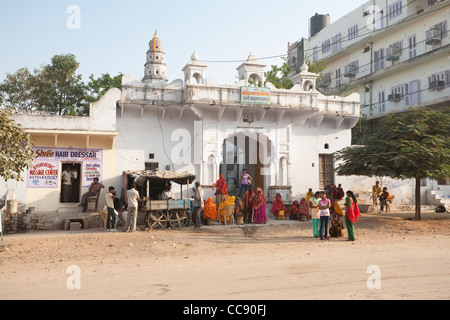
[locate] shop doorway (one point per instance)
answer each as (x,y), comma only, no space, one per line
(70,193)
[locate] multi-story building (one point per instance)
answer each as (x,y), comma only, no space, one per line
(394,53)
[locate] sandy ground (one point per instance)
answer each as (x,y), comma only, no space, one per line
(277,261)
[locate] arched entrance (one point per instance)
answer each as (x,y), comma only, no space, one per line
(248,150)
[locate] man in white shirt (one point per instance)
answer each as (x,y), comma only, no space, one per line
(167,194)
(111,220)
(67,178)
(198,205)
(132,199)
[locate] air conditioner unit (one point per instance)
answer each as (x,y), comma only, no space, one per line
(350,71)
(433,37)
(395,97)
(393,53)
(437,85)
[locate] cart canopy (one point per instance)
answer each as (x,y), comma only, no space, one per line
(140,176)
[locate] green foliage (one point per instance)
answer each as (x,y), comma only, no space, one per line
(56,88)
(18,91)
(415,144)
(278,76)
(98,87)
(15,147)
(60,89)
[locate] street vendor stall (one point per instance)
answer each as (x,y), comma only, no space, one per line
(159,213)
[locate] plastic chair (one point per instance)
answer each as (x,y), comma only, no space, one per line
(229,213)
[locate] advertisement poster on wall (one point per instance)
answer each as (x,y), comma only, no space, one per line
(45,169)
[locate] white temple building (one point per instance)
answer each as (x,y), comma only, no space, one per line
(285,139)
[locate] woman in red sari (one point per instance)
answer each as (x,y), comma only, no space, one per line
(259,207)
(277,206)
(352,214)
(221,193)
(303,209)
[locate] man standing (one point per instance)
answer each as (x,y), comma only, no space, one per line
(132,199)
(376,193)
(198,204)
(94,189)
(111,219)
(67,178)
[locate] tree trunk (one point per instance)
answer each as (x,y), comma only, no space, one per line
(418,216)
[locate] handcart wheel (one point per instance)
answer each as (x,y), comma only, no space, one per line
(157,220)
(178,219)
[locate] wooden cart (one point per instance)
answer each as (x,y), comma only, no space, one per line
(161,214)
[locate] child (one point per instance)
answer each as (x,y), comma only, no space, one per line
(336,227)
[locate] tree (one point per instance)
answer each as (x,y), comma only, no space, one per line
(59,89)
(15,148)
(278,76)
(411,145)
(19,90)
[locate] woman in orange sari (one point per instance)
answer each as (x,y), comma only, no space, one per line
(352,214)
(209,211)
(259,207)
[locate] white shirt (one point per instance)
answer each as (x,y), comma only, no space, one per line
(132,197)
(167,195)
(198,197)
(67,175)
(109,200)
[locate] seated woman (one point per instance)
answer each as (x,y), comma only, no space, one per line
(210,211)
(229,201)
(336,227)
(293,215)
(278,206)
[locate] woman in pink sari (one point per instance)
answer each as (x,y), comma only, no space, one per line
(352,214)
(259,207)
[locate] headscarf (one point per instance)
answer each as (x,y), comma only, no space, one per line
(303,207)
(209,211)
(229,201)
(259,199)
(221,185)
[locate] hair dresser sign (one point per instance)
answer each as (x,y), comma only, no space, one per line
(45,169)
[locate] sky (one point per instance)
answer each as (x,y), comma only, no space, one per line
(112,36)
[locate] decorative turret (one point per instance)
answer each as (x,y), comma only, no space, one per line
(252,70)
(195,70)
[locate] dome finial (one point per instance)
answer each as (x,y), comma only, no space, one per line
(304,67)
(194,56)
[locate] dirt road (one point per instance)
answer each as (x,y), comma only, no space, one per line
(393,258)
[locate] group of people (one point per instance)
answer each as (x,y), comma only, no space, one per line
(322,209)
(381,196)
(251,204)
